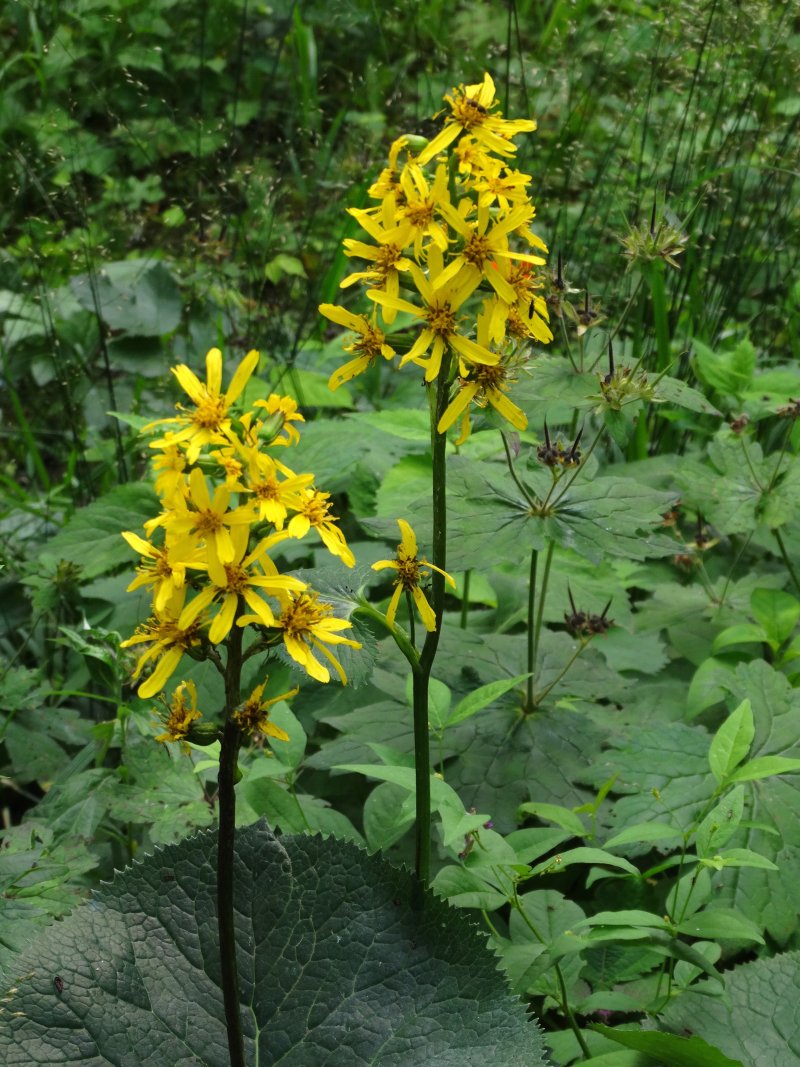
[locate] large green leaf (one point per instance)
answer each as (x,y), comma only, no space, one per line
(135,296)
(729,372)
(757,1021)
(334,967)
(92,537)
(663,770)
(596,518)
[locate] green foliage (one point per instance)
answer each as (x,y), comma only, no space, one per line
(618,809)
(756,1022)
(372,979)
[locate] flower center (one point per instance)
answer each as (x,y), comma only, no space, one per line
(303,614)
(386,258)
(477,250)
(237,579)
(267,490)
(370,343)
(210,412)
(441,319)
(469,113)
(317,509)
(420,214)
(408,573)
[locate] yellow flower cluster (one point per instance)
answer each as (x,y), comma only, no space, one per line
(226,502)
(450,224)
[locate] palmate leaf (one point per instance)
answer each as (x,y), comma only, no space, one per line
(503,761)
(757,1022)
(334,968)
(597,518)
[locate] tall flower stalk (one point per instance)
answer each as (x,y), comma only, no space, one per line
(227,502)
(449,245)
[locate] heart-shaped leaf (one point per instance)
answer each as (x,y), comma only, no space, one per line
(334,967)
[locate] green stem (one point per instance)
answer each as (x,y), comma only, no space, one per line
(226,782)
(562,986)
(571,478)
(510,461)
(567,344)
(787,562)
(749,463)
(626,309)
(400,637)
(421,675)
(777,468)
(465,600)
(537,700)
(537,629)
(658,295)
(531,630)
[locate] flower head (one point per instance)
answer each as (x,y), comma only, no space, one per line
(180,715)
(471,108)
(409,569)
(208,422)
(253,715)
(314,509)
(371,343)
(308,626)
(167,643)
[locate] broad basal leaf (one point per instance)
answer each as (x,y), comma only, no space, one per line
(757,1022)
(597,518)
(334,968)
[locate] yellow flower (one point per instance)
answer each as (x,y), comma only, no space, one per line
(253,715)
(386,255)
(166,571)
(167,641)
(313,509)
(181,714)
(371,344)
(471,109)
(439,315)
(527,315)
(421,205)
(502,185)
(484,384)
(204,517)
(272,497)
(210,420)
(233,580)
(409,573)
(484,245)
(306,624)
(172,463)
(387,185)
